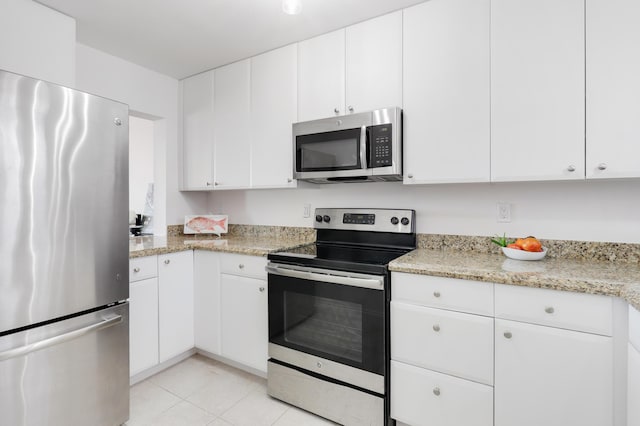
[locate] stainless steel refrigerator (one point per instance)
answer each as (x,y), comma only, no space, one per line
(64,329)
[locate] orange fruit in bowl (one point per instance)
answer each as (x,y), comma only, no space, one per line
(531,244)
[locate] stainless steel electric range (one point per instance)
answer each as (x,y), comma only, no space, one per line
(329,315)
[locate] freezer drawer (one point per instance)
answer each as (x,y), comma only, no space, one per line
(73,372)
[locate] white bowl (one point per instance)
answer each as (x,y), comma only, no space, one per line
(524,255)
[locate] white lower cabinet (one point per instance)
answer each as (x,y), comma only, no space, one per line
(143,325)
(206,304)
(441,353)
(230,312)
(552,377)
(175,304)
(244,320)
(421,397)
(633,386)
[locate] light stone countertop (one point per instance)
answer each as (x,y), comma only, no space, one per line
(620,279)
(256,245)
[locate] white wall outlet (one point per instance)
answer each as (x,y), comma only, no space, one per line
(307,210)
(504,213)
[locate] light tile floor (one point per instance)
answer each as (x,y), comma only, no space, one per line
(203,392)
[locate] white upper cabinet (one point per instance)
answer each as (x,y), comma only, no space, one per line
(232,133)
(197,132)
(355,69)
(446,75)
(374,63)
(321,86)
(273,111)
(537,90)
(613,88)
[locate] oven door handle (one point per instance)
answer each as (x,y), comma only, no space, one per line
(328,277)
(363,147)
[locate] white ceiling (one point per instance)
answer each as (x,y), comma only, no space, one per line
(184,37)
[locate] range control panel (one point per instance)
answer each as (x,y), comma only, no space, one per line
(377,220)
(380,142)
(359,218)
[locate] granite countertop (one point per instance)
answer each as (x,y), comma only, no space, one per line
(620,279)
(254,245)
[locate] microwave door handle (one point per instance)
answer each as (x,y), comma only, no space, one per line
(363,147)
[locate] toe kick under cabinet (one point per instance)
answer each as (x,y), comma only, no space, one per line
(474,353)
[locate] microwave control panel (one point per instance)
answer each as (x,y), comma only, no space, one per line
(380,145)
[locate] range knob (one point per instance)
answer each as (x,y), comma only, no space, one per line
(326,218)
(318,218)
(394,220)
(404,221)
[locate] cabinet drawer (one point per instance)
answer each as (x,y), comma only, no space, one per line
(634,327)
(573,311)
(448,293)
(243,265)
(142,268)
(421,397)
(442,341)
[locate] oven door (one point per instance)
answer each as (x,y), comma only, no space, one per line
(332,154)
(333,315)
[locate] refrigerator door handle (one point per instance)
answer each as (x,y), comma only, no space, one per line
(42,344)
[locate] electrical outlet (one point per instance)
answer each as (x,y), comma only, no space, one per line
(504,213)
(307,210)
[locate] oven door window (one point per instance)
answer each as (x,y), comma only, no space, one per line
(339,150)
(337,322)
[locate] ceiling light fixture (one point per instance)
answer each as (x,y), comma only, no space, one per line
(292,7)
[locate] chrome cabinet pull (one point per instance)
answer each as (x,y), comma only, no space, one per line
(241,266)
(436,328)
(336,110)
(571,168)
(602,166)
(43,344)
(436,391)
(436,294)
(549,309)
(350,108)
(261,289)
(508,334)
(167,261)
(136,269)
(410,175)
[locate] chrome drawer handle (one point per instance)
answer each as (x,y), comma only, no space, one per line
(261,289)
(436,391)
(136,269)
(241,266)
(167,261)
(436,328)
(508,334)
(436,294)
(549,309)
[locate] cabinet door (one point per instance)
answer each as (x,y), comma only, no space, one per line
(552,377)
(244,320)
(273,111)
(374,63)
(537,90)
(321,76)
(197,132)
(423,397)
(613,88)
(143,325)
(206,309)
(633,389)
(175,295)
(446,91)
(232,135)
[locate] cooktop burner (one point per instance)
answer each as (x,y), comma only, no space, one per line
(358,240)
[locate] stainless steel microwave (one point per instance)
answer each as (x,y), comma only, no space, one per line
(352,148)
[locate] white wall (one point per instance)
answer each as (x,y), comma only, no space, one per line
(593,211)
(140,161)
(150,95)
(37,41)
